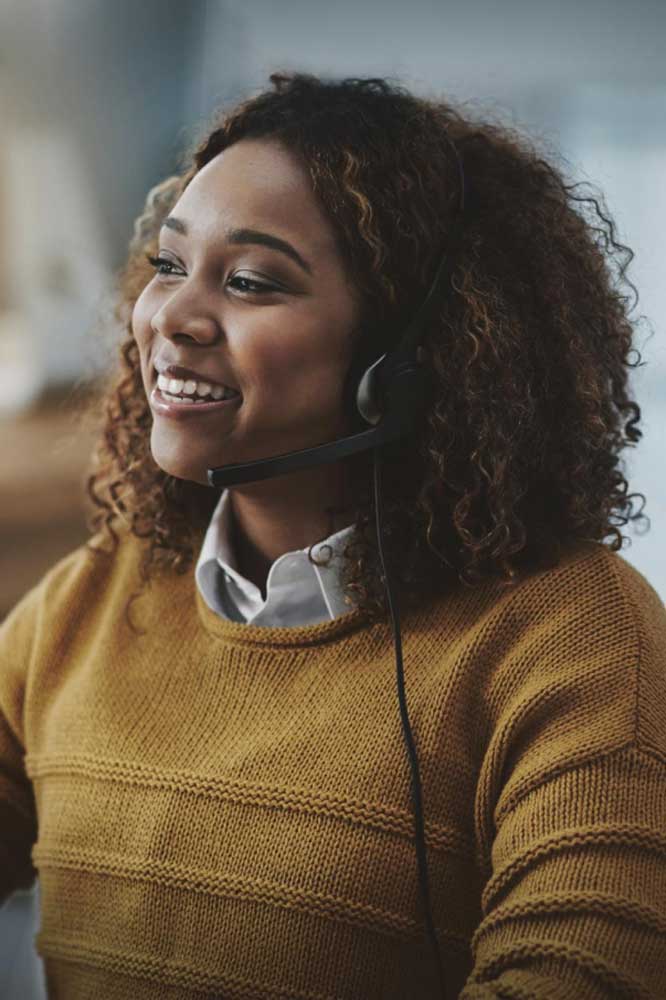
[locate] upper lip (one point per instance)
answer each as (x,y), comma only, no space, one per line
(177,371)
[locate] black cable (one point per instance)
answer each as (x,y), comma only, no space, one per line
(416,781)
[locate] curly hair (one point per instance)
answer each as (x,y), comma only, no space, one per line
(529,347)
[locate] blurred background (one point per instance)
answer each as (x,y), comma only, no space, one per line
(97,100)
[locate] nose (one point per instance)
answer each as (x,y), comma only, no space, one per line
(178,318)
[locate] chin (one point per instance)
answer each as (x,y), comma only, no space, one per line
(181,466)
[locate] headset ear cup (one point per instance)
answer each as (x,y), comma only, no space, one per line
(367,403)
(357,395)
(368,399)
(365,395)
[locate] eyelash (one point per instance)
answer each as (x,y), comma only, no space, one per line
(259,287)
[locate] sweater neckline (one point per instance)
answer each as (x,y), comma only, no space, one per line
(277,635)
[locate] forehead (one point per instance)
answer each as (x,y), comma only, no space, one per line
(256,184)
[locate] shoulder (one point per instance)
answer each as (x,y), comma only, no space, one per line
(574,653)
(592,591)
(602,570)
(75,583)
(591,586)
(596,597)
(587,640)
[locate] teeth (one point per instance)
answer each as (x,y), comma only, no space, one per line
(183,388)
(186,400)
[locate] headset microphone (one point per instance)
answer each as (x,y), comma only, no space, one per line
(392,396)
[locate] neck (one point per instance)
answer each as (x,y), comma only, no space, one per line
(285,514)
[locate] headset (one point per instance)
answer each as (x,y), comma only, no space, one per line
(392,396)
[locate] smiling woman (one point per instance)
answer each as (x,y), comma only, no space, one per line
(211,781)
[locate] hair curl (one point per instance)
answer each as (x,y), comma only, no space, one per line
(529,349)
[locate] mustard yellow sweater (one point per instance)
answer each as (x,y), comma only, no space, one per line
(217,809)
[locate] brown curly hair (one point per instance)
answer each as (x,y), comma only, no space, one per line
(529,347)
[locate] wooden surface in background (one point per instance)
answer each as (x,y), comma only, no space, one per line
(45,455)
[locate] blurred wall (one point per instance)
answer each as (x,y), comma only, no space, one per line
(93,99)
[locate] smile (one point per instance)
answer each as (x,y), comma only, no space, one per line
(167,405)
(190,391)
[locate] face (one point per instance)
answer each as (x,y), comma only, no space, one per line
(274,322)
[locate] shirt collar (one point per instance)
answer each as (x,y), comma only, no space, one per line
(297,591)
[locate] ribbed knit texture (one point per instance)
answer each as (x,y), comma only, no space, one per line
(220,809)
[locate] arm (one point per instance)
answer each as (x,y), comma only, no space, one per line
(571,808)
(34,652)
(18,820)
(575,906)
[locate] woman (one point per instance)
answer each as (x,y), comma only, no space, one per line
(200,740)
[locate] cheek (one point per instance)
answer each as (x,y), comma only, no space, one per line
(141,330)
(300,365)
(140,321)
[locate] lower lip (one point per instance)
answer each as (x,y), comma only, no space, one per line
(184,410)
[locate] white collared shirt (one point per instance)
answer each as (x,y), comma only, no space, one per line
(297,592)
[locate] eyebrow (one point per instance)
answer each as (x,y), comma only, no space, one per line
(247,236)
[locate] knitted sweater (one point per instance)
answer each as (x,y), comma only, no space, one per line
(217,809)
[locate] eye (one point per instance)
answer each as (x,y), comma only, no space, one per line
(246,285)
(159,263)
(249,285)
